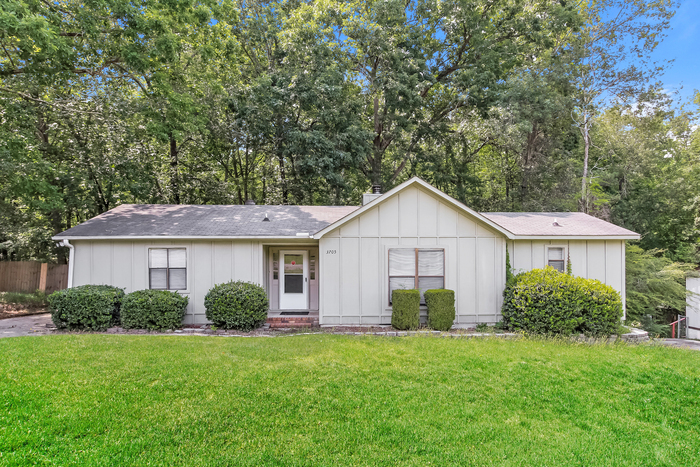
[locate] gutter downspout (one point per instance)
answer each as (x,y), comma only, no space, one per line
(71,256)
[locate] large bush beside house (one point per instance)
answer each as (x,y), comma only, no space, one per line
(153,309)
(87,307)
(405,309)
(441,308)
(236,305)
(545,301)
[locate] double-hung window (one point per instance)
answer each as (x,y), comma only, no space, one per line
(416,268)
(167,268)
(556,258)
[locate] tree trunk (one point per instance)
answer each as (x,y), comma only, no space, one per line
(174,182)
(584,178)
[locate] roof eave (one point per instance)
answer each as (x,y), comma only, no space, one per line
(577,237)
(179,237)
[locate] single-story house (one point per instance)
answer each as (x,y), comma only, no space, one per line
(337,265)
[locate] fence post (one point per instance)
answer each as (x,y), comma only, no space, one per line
(42,276)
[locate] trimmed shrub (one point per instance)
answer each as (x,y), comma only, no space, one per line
(545,301)
(153,309)
(88,307)
(441,308)
(237,305)
(405,309)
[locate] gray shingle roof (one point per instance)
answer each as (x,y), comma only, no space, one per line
(570,224)
(146,220)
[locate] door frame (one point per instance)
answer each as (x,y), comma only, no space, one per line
(305,276)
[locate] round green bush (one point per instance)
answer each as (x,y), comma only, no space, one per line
(153,309)
(87,307)
(236,305)
(441,308)
(545,301)
(405,309)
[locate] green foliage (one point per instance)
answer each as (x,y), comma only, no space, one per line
(153,309)
(569,267)
(405,309)
(509,269)
(655,285)
(86,307)
(482,327)
(37,299)
(654,329)
(545,301)
(441,308)
(236,305)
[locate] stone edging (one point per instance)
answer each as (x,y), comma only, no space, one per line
(636,336)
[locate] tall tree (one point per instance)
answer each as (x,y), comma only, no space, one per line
(614,50)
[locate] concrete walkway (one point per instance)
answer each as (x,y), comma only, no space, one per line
(34,325)
(682,343)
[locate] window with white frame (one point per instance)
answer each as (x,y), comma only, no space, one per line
(167,268)
(416,268)
(556,257)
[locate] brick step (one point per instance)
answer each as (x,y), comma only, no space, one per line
(292,322)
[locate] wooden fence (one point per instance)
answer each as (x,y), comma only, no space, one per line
(29,276)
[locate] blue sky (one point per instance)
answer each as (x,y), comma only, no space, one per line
(683,45)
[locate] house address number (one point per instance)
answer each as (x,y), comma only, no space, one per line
(331,252)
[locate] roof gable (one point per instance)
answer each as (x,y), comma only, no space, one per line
(415,181)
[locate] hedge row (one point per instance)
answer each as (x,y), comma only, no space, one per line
(405,309)
(235,305)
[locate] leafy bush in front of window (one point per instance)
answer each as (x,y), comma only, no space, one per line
(405,309)
(237,305)
(545,301)
(153,309)
(441,308)
(86,307)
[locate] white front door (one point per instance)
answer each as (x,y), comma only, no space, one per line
(294,280)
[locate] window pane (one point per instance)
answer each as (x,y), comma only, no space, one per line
(429,283)
(558,265)
(157,258)
(431,262)
(312,268)
(178,279)
(293,283)
(400,283)
(402,262)
(177,257)
(293,264)
(556,254)
(158,278)
(275,265)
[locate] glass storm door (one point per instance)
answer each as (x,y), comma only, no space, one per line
(294,280)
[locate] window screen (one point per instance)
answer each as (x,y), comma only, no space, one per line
(167,268)
(416,268)
(556,259)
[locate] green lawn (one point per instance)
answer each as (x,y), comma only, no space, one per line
(342,400)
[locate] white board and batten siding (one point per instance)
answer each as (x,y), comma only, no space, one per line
(603,260)
(354,259)
(124,263)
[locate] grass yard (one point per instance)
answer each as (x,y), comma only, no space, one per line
(344,400)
